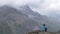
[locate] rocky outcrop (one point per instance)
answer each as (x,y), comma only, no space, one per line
(40,32)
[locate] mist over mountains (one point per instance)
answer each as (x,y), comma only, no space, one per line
(13,21)
(51,22)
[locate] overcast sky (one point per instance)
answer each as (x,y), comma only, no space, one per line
(42,6)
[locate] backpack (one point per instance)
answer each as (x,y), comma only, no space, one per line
(45,29)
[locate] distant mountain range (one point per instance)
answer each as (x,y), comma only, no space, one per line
(55,14)
(13,21)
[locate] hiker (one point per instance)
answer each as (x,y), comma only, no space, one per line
(44,28)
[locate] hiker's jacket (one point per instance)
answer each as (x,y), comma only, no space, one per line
(44,28)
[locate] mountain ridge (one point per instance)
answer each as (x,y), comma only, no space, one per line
(20,23)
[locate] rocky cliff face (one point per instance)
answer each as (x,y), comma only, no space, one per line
(13,21)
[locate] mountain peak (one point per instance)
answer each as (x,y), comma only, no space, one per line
(26,7)
(27,10)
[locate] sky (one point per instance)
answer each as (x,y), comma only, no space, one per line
(44,7)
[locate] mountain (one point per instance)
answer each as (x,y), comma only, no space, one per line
(13,21)
(55,14)
(52,23)
(27,10)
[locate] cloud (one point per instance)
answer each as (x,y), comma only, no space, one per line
(48,5)
(19,2)
(42,6)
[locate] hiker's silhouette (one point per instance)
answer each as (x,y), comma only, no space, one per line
(44,28)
